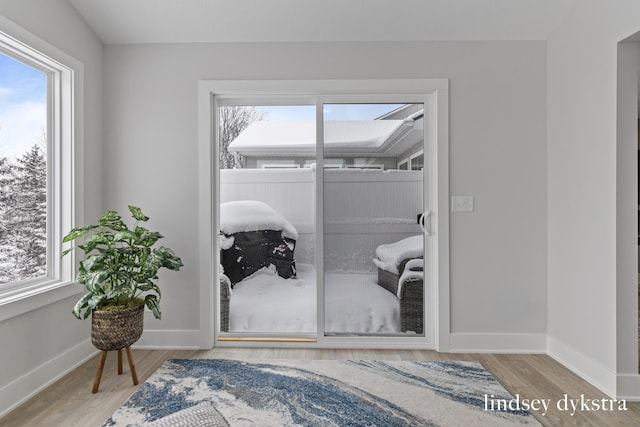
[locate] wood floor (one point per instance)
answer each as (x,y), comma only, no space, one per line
(69,402)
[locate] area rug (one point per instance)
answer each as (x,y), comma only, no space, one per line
(218,392)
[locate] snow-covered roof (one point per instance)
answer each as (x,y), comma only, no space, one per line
(341,137)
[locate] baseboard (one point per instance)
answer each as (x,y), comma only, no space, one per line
(170,339)
(497,343)
(26,386)
(588,369)
(628,387)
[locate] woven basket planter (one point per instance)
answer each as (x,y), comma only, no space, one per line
(116,329)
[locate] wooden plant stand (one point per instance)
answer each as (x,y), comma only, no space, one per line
(103,357)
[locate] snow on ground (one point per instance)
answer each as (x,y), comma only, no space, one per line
(265,302)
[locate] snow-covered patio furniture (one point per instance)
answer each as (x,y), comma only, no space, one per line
(225,295)
(254,236)
(400,271)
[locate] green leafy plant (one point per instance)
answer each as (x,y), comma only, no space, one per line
(121,264)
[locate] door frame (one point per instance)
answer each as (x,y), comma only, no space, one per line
(436,94)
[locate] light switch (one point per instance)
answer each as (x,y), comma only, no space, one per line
(462,204)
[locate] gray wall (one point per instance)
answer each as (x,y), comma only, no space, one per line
(592,290)
(43,343)
(497,144)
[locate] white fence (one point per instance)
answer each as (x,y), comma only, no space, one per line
(362,208)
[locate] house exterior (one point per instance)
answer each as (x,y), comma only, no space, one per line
(385,143)
(542,133)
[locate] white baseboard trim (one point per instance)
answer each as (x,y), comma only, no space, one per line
(588,369)
(170,339)
(28,385)
(497,343)
(628,387)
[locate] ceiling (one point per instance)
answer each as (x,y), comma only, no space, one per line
(188,21)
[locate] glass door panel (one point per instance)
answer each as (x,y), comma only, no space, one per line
(373,243)
(266,220)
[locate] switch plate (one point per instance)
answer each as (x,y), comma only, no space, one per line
(462,204)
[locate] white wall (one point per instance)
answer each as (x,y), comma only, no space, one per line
(497,144)
(41,344)
(587,287)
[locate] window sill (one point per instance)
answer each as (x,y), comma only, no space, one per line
(19,303)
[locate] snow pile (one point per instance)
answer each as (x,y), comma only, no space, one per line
(251,215)
(391,255)
(354,303)
(265,302)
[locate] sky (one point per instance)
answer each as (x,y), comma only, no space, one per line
(23,106)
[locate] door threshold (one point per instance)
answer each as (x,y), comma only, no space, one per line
(266,339)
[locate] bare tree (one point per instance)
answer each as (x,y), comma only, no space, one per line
(233,120)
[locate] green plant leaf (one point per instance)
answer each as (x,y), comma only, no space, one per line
(152,302)
(169,259)
(95,240)
(82,303)
(137,213)
(147,238)
(121,293)
(77,232)
(109,217)
(93,280)
(149,286)
(95,301)
(124,236)
(112,220)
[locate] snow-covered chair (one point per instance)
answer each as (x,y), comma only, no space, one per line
(225,296)
(400,271)
(255,236)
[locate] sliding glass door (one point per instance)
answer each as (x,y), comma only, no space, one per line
(373,243)
(320,224)
(266,220)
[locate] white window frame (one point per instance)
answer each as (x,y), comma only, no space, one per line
(436,113)
(414,156)
(64,169)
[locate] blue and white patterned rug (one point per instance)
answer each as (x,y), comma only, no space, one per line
(218,392)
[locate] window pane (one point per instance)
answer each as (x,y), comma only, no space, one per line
(23,171)
(417,162)
(267,223)
(370,228)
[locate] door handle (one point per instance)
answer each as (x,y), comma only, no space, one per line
(424,222)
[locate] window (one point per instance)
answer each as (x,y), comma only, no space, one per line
(23,171)
(36,167)
(417,161)
(403,165)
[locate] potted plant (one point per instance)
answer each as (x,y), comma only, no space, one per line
(119,271)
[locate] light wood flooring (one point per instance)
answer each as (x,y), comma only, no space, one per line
(69,402)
